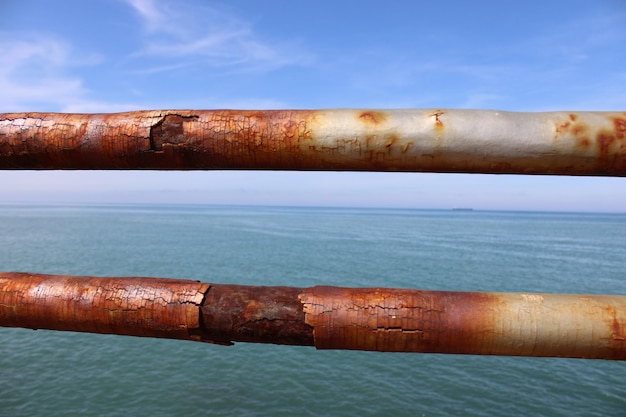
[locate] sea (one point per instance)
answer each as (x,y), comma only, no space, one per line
(51,373)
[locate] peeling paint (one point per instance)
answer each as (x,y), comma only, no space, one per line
(404,320)
(170,130)
(374,319)
(129,306)
(420,140)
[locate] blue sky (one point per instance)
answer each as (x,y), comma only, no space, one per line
(118,55)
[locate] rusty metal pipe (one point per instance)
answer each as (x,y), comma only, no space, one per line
(150,307)
(379,319)
(427,140)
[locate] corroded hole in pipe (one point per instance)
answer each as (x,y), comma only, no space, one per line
(237,313)
(169,130)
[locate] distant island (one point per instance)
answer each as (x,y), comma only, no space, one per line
(462,209)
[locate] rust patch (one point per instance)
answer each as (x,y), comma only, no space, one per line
(620,127)
(396,320)
(618,333)
(618,329)
(260,139)
(562,127)
(436,115)
(255,314)
(580,132)
(82,130)
(167,139)
(584,142)
(605,140)
(570,125)
(373,117)
(169,130)
(579,128)
(391,139)
(290,129)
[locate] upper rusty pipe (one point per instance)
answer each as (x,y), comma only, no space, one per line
(427,140)
(381,319)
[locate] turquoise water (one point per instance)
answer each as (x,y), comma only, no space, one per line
(53,373)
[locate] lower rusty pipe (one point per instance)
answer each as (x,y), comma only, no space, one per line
(380,319)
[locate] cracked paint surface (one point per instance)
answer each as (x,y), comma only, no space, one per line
(129,306)
(375,319)
(510,324)
(420,140)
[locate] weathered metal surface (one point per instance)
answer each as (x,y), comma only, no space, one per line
(389,320)
(427,140)
(510,324)
(237,313)
(150,307)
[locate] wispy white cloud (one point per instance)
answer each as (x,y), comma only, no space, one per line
(153,17)
(32,72)
(44,73)
(203,35)
(162,68)
(37,73)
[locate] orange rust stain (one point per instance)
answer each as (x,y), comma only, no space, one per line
(617,327)
(584,142)
(580,131)
(561,128)
(257,138)
(372,117)
(604,141)
(620,127)
(390,141)
(607,139)
(618,333)
(82,130)
(438,122)
(570,125)
(290,129)
(579,128)
(396,320)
